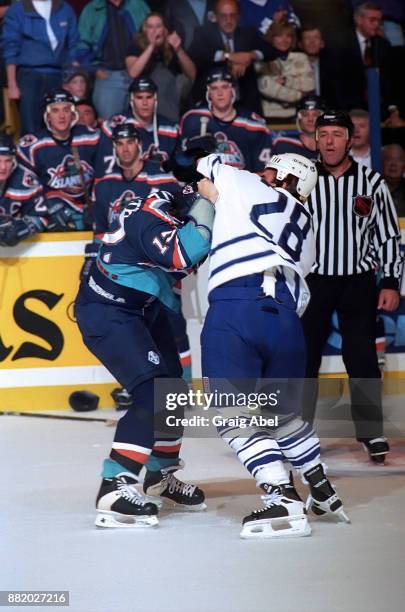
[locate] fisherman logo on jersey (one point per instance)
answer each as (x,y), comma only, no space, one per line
(120,203)
(362,205)
(229,151)
(67,178)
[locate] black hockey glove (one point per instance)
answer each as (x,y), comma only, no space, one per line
(12,231)
(60,218)
(90,253)
(183,200)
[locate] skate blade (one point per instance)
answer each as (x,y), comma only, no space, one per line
(291,527)
(321,511)
(114,520)
(168,504)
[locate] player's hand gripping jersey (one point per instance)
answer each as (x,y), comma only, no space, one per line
(258,229)
(148,249)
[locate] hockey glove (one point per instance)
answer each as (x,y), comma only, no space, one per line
(60,218)
(12,231)
(90,254)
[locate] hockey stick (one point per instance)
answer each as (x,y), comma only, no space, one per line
(55,416)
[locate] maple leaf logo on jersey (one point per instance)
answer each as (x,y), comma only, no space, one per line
(66,176)
(120,203)
(229,151)
(362,205)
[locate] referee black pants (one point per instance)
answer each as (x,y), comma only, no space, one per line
(355,300)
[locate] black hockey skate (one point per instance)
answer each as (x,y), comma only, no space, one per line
(377,449)
(120,504)
(166,487)
(283,516)
(323,498)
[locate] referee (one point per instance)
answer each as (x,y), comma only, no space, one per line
(356,231)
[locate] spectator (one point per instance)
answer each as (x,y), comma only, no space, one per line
(366,45)
(260,14)
(184,16)
(242,138)
(21,202)
(323,62)
(160,55)
(62,157)
(393,19)
(39,38)
(87,113)
(158,134)
(308,111)
(76,82)
(360,149)
(230,46)
(393,162)
(106,29)
(284,81)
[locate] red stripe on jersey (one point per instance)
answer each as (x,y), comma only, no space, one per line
(134,455)
(170,134)
(250,128)
(167,449)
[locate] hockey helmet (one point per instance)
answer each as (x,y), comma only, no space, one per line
(7,146)
(296,165)
(311,102)
(142,84)
(125,130)
(219,74)
(339,118)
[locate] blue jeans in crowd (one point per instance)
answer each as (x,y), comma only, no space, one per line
(110,95)
(33,86)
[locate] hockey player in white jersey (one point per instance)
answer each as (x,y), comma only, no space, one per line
(262,249)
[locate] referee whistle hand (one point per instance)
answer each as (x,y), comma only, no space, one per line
(388,300)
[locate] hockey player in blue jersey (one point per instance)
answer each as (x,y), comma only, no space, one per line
(243,139)
(258,264)
(158,134)
(62,157)
(22,211)
(308,110)
(121,312)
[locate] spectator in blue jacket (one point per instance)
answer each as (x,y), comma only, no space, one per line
(260,14)
(106,29)
(39,38)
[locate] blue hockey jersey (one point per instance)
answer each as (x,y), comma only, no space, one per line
(290,144)
(147,247)
(244,143)
(167,135)
(112,191)
(54,164)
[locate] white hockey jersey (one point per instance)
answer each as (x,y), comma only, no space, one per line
(258,229)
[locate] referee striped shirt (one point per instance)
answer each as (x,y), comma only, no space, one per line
(355,225)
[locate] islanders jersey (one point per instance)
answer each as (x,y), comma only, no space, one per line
(257,229)
(22,198)
(167,134)
(289,144)
(245,142)
(112,192)
(146,248)
(54,164)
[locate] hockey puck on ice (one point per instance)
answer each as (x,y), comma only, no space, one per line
(83,401)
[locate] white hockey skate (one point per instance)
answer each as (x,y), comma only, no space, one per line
(119,504)
(166,489)
(283,515)
(323,498)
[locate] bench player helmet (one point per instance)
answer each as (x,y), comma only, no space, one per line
(298,166)
(219,74)
(7,146)
(57,96)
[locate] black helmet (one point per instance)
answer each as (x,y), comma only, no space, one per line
(7,146)
(125,130)
(142,84)
(311,102)
(219,74)
(184,161)
(56,95)
(333,117)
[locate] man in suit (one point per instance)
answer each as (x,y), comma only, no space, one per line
(226,43)
(184,16)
